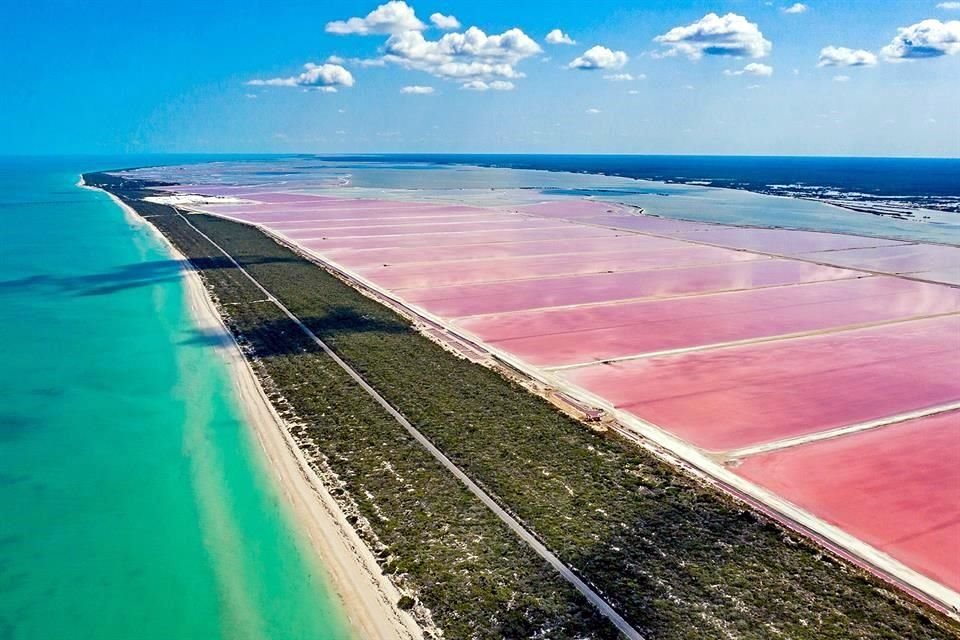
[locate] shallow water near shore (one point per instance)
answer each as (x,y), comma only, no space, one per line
(135,501)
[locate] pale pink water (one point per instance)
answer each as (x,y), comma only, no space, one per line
(477,299)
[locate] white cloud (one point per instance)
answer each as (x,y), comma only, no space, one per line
(599,58)
(494,85)
(844,57)
(949,6)
(751,69)
(417,89)
(471,55)
(251,96)
(633,92)
(841,78)
(447,23)
(925,39)
(796,7)
(593,111)
(395,16)
(368,62)
(559,37)
(624,77)
(713,35)
(322,77)
(753,86)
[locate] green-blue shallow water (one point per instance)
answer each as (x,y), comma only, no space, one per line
(134,500)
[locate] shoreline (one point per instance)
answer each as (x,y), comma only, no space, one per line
(367,599)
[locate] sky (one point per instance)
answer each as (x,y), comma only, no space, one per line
(823,77)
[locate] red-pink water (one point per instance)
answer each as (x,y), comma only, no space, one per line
(904,296)
(594,333)
(896,488)
(738,396)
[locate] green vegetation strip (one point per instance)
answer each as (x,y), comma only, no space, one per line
(678,559)
(593,597)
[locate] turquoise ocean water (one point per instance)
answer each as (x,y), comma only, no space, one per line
(133,499)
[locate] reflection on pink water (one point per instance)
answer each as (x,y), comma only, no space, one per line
(782,241)
(543,231)
(416,275)
(209,190)
(738,396)
(568,290)
(358,258)
(574,208)
(899,259)
(584,334)
(272,197)
(504,224)
(950,275)
(895,487)
(650,224)
(307,211)
(377,219)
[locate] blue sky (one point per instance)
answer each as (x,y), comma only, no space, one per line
(128,77)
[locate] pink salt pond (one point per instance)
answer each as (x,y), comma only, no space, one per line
(579,335)
(376,219)
(574,208)
(466,300)
(730,398)
(704,334)
(400,277)
(906,258)
(504,224)
(782,241)
(894,487)
(357,258)
(541,231)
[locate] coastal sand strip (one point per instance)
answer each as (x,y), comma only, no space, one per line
(368,598)
(592,596)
